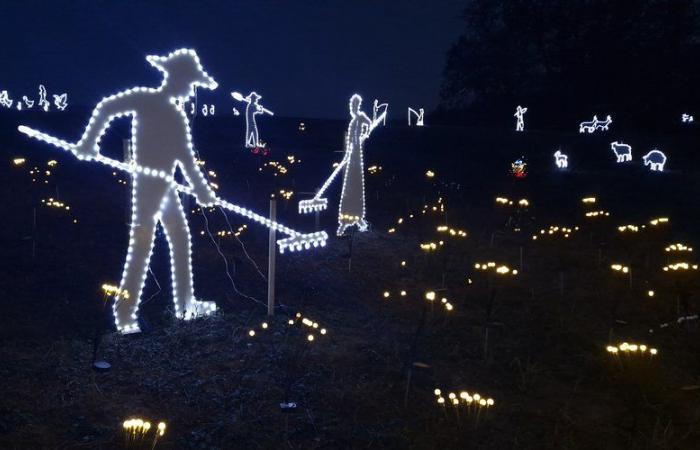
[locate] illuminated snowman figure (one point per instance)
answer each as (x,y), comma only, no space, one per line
(520,115)
(162,141)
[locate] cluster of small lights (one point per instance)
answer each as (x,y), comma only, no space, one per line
(630,349)
(19,161)
(451,231)
(523,202)
(277,168)
(286,194)
(588,200)
(500,269)
(53,203)
(225,233)
(263,326)
(119,180)
(139,428)
(110,289)
(387,294)
(60,101)
(430,174)
(629,228)
(374,169)
(599,213)
(431,246)
(620,268)
(465,398)
(658,221)
(678,247)
(431,296)
(680,266)
(313,326)
(555,230)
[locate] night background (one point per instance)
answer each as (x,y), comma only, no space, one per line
(379,339)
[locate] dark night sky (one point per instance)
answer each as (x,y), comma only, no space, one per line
(305,57)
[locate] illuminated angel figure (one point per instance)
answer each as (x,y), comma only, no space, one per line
(253,108)
(161,141)
(520,114)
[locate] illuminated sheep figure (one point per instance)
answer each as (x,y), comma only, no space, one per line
(687,118)
(595,124)
(162,142)
(622,151)
(520,115)
(655,159)
(561,160)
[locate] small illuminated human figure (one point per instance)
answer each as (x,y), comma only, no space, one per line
(687,118)
(622,151)
(561,160)
(655,159)
(418,114)
(162,142)
(520,115)
(351,211)
(43,103)
(252,109)
(61,101)
(380,110)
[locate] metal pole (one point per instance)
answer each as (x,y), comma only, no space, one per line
(271,260)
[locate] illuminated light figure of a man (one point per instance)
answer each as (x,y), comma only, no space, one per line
(252,109)
(162,141)
(520,115)
(352,198)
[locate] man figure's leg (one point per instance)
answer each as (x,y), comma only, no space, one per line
(178,234)
(146,197)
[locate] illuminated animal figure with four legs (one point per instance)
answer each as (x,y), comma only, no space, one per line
(561,160)
(655,159)
(622,151)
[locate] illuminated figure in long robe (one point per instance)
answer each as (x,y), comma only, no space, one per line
(352,199)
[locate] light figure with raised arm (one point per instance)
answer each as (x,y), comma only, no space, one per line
(162,142)
(252,109)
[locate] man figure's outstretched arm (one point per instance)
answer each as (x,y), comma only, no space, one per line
(107,110)
(201,189)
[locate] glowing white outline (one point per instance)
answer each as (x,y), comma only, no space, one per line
(383,107)
(88,148)
(419,116)
(561,160)
(655,166)
(43,103)
(61,101)
(622,151)
(5,99)
(520,115)
(252,109)
(687,118)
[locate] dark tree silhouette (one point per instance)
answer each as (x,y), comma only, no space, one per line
(635,58)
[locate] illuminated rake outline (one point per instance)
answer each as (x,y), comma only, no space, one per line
(88,147)
(419,116)
(354,139)
(520,114)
